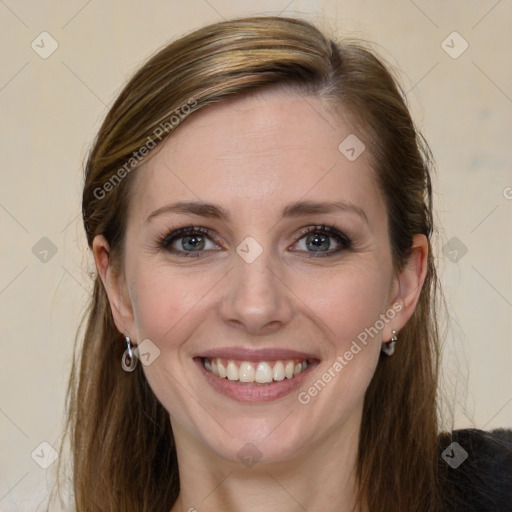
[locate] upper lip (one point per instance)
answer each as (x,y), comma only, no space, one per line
(255,355)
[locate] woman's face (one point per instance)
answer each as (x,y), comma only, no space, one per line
(256,284)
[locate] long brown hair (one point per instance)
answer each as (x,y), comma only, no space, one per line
(123,449)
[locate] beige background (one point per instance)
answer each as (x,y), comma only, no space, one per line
(51,109)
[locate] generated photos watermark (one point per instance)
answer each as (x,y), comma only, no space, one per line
(454,455)
(304,397)
(164,128)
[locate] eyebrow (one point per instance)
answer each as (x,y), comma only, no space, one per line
(297,209)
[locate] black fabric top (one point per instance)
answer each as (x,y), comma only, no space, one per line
(476,470)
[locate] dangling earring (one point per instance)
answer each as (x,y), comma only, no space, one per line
(129,360)
(389,347)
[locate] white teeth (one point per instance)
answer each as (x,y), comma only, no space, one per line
(261,372)
(247,372)
(221,369)
(232,371)
(278,372)
(290,367)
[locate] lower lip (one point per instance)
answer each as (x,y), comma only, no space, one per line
(246,392)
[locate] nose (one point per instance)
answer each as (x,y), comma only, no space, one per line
(257,299)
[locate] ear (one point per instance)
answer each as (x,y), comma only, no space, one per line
(115,286)
(407,286)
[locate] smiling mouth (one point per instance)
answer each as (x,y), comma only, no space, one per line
(257,372)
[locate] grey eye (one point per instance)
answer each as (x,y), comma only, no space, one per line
(318,242)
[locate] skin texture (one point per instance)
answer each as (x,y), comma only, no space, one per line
(254,156)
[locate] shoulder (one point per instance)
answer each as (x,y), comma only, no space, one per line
(475,469)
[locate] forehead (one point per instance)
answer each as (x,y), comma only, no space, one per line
(258,153)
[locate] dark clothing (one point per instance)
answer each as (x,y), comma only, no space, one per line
(476,470)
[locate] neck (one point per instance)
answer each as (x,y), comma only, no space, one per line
(321,479)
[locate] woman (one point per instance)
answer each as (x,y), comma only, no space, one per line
(263,330)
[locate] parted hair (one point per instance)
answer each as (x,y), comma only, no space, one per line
(123,451)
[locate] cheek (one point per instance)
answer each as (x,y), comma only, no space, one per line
(162,300)
(166,307)
(347,300)
(349,307)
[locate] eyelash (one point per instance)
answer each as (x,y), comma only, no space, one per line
(165,242)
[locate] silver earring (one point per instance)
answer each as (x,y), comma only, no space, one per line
(129,360)
(389,347)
